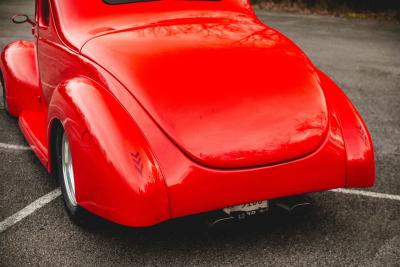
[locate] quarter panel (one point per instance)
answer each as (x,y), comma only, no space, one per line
(358,142)
(115,173)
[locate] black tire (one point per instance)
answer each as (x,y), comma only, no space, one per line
(3,86)
(77,214)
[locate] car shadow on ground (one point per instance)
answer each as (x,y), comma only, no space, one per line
(187,229)
(328,221)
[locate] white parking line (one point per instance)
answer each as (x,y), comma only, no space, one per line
(367,194)
(41,202)
(13,147)
(28,210)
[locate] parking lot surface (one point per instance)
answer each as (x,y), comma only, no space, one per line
(363,57)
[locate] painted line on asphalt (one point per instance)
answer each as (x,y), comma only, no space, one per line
(367,194)
(46,199)
(13,147)
(28,210)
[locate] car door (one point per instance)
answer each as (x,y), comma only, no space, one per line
(51,61)
(44,51)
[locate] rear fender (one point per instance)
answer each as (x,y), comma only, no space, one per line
(116,175)
(358,142)
(20,72)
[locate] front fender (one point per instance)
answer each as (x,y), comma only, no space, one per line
(358,143)
(20,72)
(116,174)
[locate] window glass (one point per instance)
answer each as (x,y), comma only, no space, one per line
(113,2)
(45,12)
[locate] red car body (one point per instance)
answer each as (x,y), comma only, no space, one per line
(177,107)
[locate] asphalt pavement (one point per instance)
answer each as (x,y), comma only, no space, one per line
(362,56)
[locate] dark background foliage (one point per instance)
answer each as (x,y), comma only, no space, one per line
(354,5)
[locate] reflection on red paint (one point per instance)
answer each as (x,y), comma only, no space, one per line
(180,107)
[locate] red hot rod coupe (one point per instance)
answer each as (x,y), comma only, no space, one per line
(152,110)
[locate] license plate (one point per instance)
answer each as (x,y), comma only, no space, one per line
(247,209)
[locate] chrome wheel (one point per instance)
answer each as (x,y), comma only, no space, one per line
(68,171)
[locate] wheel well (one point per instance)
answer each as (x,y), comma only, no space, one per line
(1,76)
(56,130)
(2,83)
(4,95)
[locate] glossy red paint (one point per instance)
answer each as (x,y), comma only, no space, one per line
(239,116)
(17,75)
(105,158)
(179,107)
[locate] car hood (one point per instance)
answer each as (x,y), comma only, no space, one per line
(229,92)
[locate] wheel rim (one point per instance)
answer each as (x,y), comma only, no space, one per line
(68,170)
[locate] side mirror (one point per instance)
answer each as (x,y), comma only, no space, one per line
(22,18)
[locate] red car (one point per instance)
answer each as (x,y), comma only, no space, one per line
(152,110)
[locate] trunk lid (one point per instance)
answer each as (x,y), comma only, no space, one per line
(230,92)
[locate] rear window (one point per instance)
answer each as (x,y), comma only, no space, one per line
(114,2)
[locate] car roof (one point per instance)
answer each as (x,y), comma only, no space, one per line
(79,21)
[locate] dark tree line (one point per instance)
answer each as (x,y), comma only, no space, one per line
(356,5)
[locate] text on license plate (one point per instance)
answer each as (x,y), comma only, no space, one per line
(251,208)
